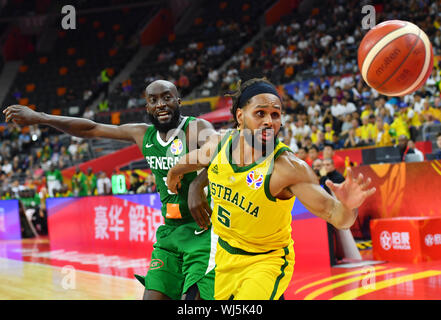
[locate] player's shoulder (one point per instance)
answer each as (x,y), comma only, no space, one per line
(200,124)
(135,130)
(217,139)
(287,159)
(289,166)
(223,133)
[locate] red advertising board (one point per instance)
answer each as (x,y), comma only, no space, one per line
(124,225)
(406,239)
(115,234)
(403,190)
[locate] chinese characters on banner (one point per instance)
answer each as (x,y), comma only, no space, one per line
(112,222)
(400,240)
(406,239)
(101,223)
(123,225)
(397,241)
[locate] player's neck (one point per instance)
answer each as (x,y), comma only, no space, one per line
(165,135)
(244,154)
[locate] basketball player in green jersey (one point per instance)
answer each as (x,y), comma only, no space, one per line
(183,256)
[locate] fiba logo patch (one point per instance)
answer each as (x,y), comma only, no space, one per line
(176,147)
(156,264)
(386,240)
(254,180)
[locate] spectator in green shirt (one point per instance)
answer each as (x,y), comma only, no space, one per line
(91,182)
(29,198)
(54,180)
(79,185)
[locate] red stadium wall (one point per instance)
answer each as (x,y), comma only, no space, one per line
(162,24)
(279,9)
(354,155)
(403,190)
(108,162)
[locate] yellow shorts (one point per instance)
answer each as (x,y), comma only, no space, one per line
(240,275)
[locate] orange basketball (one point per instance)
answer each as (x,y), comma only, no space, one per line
(395,58)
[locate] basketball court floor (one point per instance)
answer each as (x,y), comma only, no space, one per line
(29,269)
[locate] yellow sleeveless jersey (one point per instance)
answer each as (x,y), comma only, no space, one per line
(245,215)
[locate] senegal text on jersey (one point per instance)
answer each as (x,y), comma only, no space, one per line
(162,163)
(235,199)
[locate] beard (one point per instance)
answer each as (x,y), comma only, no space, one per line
(167,126)
(252,138)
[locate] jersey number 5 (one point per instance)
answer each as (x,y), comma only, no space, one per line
(223,216)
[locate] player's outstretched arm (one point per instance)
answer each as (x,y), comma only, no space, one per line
(192,161)
(295,175)
(79,127)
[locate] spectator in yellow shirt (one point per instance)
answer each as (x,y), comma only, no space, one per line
(382,136)
(411,118)
(329,133)
(356,127)
(367,111)
(367,131)
(314,134)
(429,113)
(399,127)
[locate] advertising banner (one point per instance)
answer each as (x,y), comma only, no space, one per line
(403,190)
(406,239)
(9,220)
(125,226)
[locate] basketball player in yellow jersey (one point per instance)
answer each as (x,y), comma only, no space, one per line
(253,180)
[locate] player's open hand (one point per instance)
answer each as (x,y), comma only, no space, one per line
(21,115)
(173,181)
(352,192)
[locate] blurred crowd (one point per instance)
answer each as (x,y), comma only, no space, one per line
(337,107)
(324,43)
(28,153)
(346,113)
(31,162)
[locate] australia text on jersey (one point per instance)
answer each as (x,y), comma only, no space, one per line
(227,194)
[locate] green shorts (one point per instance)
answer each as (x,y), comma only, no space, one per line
(182,256)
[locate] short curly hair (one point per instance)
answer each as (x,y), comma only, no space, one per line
(241,88)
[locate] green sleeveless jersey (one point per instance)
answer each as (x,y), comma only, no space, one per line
(161,156)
